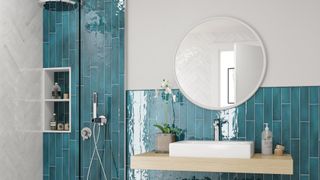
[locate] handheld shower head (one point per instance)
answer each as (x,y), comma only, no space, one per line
(94,105)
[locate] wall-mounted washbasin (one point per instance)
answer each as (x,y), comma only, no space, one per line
(212,149)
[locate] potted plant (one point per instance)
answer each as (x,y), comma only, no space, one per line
(168,133)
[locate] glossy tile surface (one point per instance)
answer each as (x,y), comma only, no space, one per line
(66,156)
(292,114)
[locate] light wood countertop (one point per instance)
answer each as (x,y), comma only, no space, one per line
(261,164)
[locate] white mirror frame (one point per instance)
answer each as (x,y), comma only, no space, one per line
(261,78)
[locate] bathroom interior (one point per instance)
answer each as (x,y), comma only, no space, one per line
(159,90)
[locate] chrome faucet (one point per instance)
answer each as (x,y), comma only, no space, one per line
(217,125)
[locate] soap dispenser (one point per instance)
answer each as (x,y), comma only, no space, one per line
(266,144)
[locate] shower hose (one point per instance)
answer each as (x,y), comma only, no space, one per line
(95,142)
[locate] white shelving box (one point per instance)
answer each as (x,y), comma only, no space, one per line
(48,101)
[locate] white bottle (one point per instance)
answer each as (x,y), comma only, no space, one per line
(266,144)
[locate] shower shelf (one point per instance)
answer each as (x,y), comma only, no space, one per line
(62,107)
(57,100)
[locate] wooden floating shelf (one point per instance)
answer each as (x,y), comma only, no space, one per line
(258,164)
(56,131)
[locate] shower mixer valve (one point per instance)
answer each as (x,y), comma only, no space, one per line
(101,120)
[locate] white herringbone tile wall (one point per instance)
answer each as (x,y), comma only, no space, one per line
(20,90)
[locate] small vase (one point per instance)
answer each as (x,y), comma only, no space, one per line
(163,141)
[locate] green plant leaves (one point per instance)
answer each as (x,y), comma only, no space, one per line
(167,129)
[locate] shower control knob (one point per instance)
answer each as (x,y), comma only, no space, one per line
(103,120)
(86,133)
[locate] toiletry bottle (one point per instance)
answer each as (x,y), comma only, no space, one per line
(53,122)
(266,144)
(56,91)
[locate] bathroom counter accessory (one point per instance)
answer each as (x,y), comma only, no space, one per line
(258,164)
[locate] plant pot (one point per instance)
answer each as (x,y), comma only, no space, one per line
(163,141)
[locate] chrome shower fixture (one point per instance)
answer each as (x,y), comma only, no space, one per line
(101,120)
(62,1)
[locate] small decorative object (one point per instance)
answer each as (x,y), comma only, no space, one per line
(168,135)
(60,127)
(66,96)
(169,132)
(56,91)
(66,126)
(278,151)
(53,122)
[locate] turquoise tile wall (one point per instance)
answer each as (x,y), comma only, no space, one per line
(101,34)
(102,71)
(292,114)
(61,49)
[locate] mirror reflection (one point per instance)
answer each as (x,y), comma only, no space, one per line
(220,63)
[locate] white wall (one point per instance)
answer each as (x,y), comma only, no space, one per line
(289,28)
(20,90)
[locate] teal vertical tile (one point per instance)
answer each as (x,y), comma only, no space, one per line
(199,112)
(115,157)
(276,177)
(59,45)
(259,96)
(258,176)
(58,145)
(285,95)
(199,129)
(52,175)
(52,50)
(122,51)
(46,54)
(258,126)
(52,150)
(249,133)
(286,119)
(45,25)
(295,112)
(295,155)
(59,168)
(115,107)
(52,18)
(66,163)
(276,103)
(250,109)
(65,36)
(304,148)
(115,19)
(190,120)
(314,168)
(46,147)
(241,120)
(73,157)
(183,115)
(314,131)
(304,177)
(268,106)
(304,103)
(207,128)
(276,132)
(314,95)
(115,66)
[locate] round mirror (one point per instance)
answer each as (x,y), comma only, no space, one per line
(220,63)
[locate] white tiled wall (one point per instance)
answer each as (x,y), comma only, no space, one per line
(20,90)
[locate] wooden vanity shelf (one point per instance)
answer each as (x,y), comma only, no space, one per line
(258,164)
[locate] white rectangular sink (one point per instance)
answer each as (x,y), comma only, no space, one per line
(212,149)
